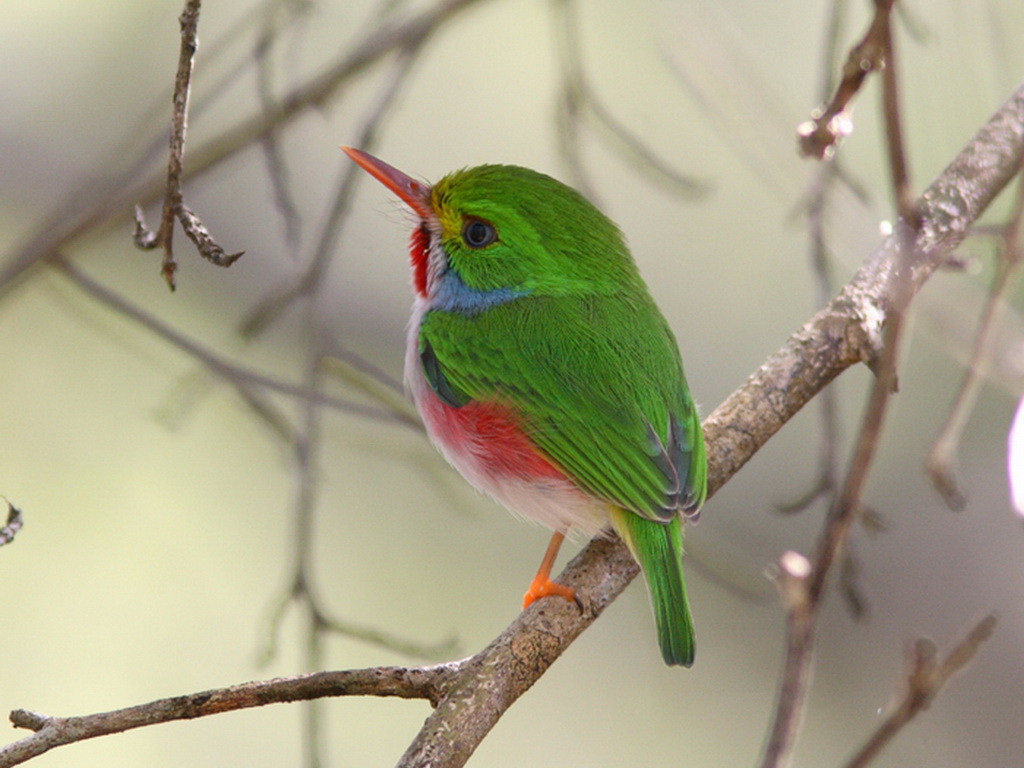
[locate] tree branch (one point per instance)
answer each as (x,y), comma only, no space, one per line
(941,459)
(174,203)
(924,681)
(248,382)
(829,124)
(314,92)
(15,520)
(50,732)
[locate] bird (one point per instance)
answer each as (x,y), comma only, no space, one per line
(545,373)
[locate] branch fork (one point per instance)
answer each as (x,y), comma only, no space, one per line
(174,206)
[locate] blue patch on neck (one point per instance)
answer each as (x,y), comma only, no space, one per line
(453,295)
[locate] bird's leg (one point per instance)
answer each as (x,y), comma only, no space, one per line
(542,585)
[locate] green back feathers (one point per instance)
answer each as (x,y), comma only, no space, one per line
(598,391)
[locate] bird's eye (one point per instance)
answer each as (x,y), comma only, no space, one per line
(477,233)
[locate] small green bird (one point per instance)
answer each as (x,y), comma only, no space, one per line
(545,373)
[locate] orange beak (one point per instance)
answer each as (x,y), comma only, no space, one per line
(413,193)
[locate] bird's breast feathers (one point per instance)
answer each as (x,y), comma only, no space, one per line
(486,443)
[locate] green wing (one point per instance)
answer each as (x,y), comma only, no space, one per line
(600,385)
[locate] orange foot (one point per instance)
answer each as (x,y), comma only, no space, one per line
(543,586)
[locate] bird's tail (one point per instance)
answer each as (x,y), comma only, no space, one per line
(658,548)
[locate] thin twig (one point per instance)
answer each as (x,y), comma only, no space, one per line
(309,288)
(50,732)
(898,164)
(15,521)
(270,308)
(803,592)
(925,680)
(273,151)
(942,457)
(174,206)
(122,166)
(306,447)
(314,92)
(242,378)
(830,123)
(802,582)
(818,200)
(578,102)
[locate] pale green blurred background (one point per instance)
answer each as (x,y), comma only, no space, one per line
(159,516)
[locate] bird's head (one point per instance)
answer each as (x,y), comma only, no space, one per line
(504,227)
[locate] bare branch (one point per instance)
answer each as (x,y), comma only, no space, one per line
(273,151)
(818,202)
(271,307)
(829,124)
(201,238)
(803,582)
(245,380)
(900,173)
(924,682)
(15,520)
(174,206)
(51,732)
(942,457)
(579,102)
(314,92)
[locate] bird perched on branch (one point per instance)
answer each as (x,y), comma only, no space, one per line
(546,375)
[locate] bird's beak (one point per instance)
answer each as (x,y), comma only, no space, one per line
(413,193)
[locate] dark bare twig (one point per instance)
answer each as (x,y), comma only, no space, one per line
(803,592)
(15,520)
(925,680)
(246,381)
(314,92)
(51,732)
(271,307)
(818,200)
(273,151)
(174,206)
(826,483)
(306,447)
(898,165)
(942,457)
(68,219)
(801,581)
(829,124)
(302,588)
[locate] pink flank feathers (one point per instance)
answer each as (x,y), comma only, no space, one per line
(490,432)
(485,442)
